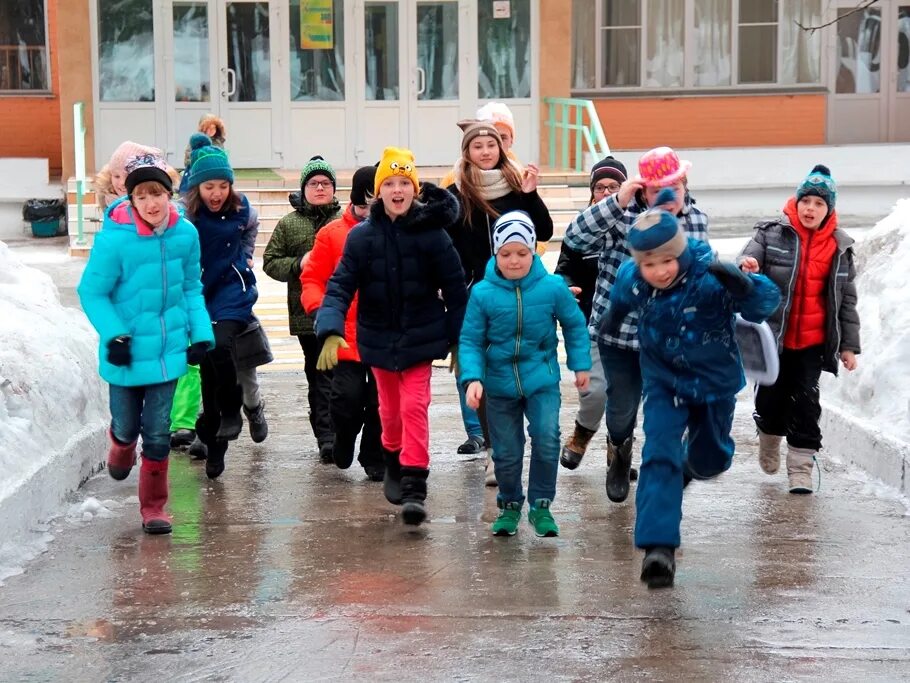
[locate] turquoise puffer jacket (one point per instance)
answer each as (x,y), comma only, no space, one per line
(147,286)
(508,340)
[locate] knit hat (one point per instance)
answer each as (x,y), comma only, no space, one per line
(317,166)
(514,226)
(126,151)
(396,161)
(207,162)
(661,166)
(146,167)
(608,167)
(499,114)
(474,129)
(362,183)
(819,183)
(657,233)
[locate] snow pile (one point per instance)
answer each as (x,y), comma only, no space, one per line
(90,508)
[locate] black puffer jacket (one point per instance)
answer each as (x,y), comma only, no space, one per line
(579,270)
(410,284)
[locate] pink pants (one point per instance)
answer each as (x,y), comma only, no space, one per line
(404,406)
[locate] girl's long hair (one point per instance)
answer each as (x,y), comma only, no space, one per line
(471,188)
(192,202)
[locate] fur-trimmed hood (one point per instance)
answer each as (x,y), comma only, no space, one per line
(433,208)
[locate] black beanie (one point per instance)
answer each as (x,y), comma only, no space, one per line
(362,185)
(608,167)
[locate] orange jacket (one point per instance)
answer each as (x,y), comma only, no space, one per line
(806,322)
(320,265)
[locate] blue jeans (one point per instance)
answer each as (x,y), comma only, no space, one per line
(506,422)
(622,370)
(468,415)
(145,411)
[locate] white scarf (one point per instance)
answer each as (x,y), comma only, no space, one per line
(493,183)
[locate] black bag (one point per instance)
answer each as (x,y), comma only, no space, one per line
(251,347)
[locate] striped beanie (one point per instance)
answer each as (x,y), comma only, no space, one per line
(514,226)
(819,183)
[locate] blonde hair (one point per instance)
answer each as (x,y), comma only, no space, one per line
(470,190)
(103,185)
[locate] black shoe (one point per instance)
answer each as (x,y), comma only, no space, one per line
(214,462)
(375,472)
(658,567)
(391,486)
(413,495)
(618,476)
(259,428)
(197,449)
(231,426)
(633,474)
(472,446)
(182,438)
(326,456)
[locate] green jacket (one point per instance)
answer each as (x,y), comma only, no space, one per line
(293,237)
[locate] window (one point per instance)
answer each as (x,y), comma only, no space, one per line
(679,44)
(504,61)
(126,51)
(23,46)
(317,50)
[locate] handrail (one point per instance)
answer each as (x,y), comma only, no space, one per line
(588,135)
(79,148)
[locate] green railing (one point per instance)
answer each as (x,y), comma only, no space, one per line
(573,130)
(79,145)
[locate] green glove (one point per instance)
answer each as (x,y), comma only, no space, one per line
(328,357)
(453,361)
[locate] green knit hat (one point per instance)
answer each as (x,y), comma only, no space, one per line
(317,166)
(207,162)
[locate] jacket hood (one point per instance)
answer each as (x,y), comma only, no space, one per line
(302,206)
(349,218)
(433,208)
(538,271)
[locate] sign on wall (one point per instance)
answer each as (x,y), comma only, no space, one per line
(316,29)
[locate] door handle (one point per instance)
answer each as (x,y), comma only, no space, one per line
(422,81)
(232,82)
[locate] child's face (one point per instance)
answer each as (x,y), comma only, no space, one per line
(483,152)
(506,136)
(679,189)
(514,260)
(659,271)
(151,202)
(214,193)
(211,130)
(318,190)
(811,211)
(118,180)
(397,195)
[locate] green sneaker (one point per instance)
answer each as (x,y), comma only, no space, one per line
(507,522)
(542,520)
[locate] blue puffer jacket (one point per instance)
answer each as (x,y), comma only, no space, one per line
(228,283)
(508,340)
(147,286)
(686,333)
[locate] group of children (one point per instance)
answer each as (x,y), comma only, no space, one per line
(410,272)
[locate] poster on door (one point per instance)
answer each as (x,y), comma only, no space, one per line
(316,29)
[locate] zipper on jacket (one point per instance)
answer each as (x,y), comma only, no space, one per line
(163,306)
(242,282)
(518,343)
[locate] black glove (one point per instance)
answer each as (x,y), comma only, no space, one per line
(611,322)
(119,351)
(196,352)
(731,278)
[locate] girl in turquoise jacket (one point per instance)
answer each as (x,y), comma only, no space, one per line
(507,350)
(142,293)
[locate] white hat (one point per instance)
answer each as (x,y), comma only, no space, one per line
(514,226)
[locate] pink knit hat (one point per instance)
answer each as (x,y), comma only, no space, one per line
(661,167)
(126,151)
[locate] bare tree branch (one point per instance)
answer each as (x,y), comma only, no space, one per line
(858,8)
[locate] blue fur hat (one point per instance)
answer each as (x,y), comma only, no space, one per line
(207,162)
(819,183)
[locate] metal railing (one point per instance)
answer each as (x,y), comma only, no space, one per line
(574,130)
(23,67)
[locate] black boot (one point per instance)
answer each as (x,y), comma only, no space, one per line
(197,449)
(259,428)
(391,486)
(326,456)
(413,495)
(230,428)
(575,447)
(343,449)
(214,462)
(182,438)
(620,459)
(658,567)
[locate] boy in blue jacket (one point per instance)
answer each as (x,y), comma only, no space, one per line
(508,350)
(142,293)
(691,368)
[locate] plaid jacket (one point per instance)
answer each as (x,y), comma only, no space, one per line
(601,228)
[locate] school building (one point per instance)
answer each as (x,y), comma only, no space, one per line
(344,78)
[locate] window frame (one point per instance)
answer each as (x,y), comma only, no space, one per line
(32,92)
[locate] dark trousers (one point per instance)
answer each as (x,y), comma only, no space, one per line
(622,372)
(319,390)
(221,394)
(354,405)
(790,406)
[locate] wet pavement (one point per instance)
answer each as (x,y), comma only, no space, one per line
(288,570)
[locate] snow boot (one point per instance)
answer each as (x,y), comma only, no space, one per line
(413,495)
(769,452)
(214,461)
(259,428)
(153,490)
(197,449)
(658,567)
(391,486)
(327,453)
(182,438)
(799,469)
(575,447)
(506,523)
(120,458)
(230,427)
(489,478)
(375,472)
(619,473)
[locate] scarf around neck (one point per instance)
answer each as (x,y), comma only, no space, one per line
(493,183)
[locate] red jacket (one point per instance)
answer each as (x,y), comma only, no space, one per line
(320,265)
(806,322)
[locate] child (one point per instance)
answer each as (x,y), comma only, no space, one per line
(601,229)
(141,291)
(401,263)
(314,207)
(109,183)
(811,260)
(508,351)
(690,365)
(354,403)
(211,126)
(499,114)
(227,227)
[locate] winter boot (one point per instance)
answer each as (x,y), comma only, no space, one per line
(413,495)
(230,428)
(391,486)
(509,516)
(343,450)
(542,520)
(182,438)
(618,474)
(326,453)
(214,461)
(769,452)
(153,491)
(375,472)
(197,449)
(120,458)
(658,567)
(259,428)
(799,469)
(490,470)
(575,447)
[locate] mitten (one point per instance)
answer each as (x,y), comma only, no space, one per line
(453,361)
(731,278)
(196,352)
(119,351)
(328,357)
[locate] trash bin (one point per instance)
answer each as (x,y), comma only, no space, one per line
(45,215)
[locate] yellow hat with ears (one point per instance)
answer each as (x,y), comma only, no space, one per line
(396,161)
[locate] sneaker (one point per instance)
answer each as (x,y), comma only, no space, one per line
(182,438)
(507,522)
(472,446)
(658,567)
(542,520)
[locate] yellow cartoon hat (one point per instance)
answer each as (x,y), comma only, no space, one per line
(396,161)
